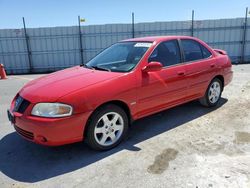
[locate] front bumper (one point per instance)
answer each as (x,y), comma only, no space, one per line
(50,131)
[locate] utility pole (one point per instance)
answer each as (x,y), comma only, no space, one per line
(80,38)
(192,26)
(27,46)
(244,38)
(133,25)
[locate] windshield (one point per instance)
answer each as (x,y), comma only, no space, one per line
(120,57)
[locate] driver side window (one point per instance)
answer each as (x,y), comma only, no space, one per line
(167,53)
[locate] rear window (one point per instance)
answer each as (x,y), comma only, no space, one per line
(205,52)
(192,50)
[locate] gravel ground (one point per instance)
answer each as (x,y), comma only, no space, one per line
(187,146)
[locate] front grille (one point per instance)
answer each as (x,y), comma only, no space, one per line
(26,134)
(21,104)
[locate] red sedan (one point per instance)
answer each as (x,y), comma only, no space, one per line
(131,79)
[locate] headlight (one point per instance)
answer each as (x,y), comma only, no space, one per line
(52,110)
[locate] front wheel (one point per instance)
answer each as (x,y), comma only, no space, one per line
(213,93)
(107,127)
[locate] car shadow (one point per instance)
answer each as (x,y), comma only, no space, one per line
(24,161)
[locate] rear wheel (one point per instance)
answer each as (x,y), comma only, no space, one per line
(107,127)
(213,93)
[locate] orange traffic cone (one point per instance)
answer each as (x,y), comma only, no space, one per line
(2,72)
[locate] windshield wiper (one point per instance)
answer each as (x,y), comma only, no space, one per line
(86,66)
(100,68)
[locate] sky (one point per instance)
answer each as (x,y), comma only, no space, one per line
(51,13)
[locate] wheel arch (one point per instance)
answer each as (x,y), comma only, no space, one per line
(119,103)
(221,78)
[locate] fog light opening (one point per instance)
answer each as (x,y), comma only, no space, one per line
(41,139)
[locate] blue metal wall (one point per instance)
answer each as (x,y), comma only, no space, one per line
(58,47)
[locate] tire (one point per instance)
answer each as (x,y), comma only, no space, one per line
(213,93)
(107,127)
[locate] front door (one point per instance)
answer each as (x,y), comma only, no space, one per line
(165,88)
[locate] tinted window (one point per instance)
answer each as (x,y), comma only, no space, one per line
(167,53)
(192,50)
(205,52)
(120,57)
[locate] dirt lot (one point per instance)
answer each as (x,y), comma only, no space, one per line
(187,146)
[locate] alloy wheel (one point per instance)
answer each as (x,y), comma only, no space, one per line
(214,92)
(109,129)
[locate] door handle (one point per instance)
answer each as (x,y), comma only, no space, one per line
(181,73)
(212,65)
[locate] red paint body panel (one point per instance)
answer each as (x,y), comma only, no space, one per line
(144,93)
(57,131)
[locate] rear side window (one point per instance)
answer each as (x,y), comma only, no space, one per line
(167,53)
(205,52)
(192,50)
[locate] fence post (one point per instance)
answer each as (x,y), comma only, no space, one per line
(133,25)
(192,26)
(244,38)
(80,37)
(28,46)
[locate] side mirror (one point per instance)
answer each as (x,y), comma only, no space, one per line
(152,67)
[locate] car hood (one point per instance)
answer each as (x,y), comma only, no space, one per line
(51,87)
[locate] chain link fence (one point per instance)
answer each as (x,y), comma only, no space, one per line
(36,50)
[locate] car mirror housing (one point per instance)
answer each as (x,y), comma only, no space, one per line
(152,67)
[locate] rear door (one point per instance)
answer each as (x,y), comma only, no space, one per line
(199,67)
(165,88)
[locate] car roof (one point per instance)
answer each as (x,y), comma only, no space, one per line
(156,38)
